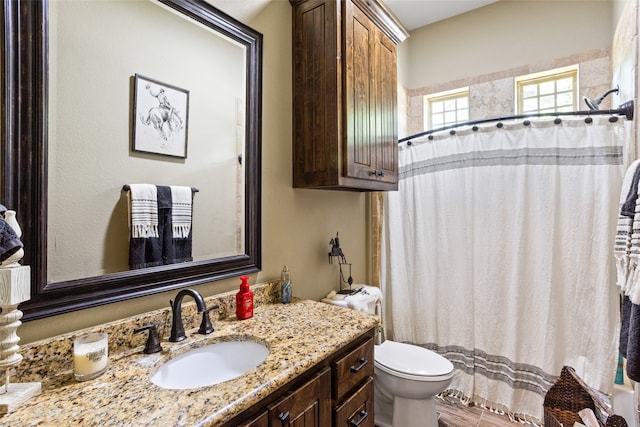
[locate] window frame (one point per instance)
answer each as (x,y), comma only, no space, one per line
(453,94)
(553,75)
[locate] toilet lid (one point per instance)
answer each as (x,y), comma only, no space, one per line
(411,359)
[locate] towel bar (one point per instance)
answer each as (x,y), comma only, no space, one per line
(127,188)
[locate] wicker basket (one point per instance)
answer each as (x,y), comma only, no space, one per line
(569,395)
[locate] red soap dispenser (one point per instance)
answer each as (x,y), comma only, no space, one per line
(244,300)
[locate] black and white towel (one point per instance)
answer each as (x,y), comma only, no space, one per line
(181,211)
(143,210)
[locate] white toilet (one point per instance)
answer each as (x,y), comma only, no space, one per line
(408,378)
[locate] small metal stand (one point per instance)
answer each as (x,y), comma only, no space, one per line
(336,252)
(15,285)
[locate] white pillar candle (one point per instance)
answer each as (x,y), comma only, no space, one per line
(90,356)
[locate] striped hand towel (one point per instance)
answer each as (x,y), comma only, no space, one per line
(143,210)
(181,211)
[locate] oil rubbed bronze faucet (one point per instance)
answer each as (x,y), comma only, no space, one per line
(177,328)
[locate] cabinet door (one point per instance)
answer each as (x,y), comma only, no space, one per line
(316,93)
(308,406)
(386,109)
(359,62)
(261,420)
(371,99)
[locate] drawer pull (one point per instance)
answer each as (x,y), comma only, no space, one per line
(284,418)
(363,416)
(362,364)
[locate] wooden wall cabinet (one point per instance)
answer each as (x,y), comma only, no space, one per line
(345,120)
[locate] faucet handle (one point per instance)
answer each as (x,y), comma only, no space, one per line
(206,327)
(153,340)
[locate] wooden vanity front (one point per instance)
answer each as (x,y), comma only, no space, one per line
(338,392)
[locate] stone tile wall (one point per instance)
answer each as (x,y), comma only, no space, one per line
(493,95)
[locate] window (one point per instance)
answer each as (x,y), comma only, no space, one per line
(446,108)
(547,92)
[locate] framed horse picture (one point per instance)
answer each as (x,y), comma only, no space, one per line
(160,118)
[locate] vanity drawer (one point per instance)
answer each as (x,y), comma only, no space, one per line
(357,410)
(351,369)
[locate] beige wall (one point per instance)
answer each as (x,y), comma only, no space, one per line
(504,35)
(500,46)
(297,224)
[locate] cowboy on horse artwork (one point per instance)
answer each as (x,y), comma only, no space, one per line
(165,119)
(160,117)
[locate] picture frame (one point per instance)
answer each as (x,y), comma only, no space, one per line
(160,118)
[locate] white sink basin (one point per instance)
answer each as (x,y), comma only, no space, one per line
(209,365)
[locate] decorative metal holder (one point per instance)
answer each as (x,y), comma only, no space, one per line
(336,252)
(15,287)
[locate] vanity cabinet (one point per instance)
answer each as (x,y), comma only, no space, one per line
(352,387)
(345,121)
(337,392)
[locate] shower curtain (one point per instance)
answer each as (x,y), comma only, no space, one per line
(497,252)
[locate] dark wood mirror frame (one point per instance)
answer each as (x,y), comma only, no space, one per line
(24,153)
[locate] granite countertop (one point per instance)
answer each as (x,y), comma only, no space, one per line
(299,335)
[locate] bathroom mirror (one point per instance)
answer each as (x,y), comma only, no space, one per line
(45,123)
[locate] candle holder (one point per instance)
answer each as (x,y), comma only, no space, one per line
(90,356)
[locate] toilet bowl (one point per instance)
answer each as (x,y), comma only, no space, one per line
(408,378)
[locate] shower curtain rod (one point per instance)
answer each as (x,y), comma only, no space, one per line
(625,109)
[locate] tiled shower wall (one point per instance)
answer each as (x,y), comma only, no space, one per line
(624,61)
(493,95)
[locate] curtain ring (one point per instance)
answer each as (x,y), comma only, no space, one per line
(526,122)
(557,121)
(475,128)
(588,120)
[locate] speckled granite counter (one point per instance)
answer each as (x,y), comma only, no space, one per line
(299,335)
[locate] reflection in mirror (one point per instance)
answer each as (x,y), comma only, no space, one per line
(88,224)
(74,119)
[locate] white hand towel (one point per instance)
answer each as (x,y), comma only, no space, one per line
(143,210)
(366,299)
(181,211)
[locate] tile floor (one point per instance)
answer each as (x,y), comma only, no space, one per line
(452,413)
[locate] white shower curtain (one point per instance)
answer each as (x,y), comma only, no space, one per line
(497,252)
